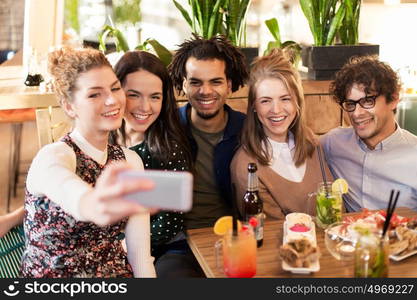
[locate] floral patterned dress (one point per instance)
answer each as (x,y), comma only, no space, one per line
(59,246)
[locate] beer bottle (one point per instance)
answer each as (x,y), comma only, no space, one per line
(252,204)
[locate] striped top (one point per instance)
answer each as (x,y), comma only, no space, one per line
(11,250)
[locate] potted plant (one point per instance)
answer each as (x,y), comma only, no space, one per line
(208,18)
(205,16)
(292,48)
(235,21)
(235,27)
(327,19)
(121,45)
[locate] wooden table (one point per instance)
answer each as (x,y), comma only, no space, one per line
(15,95)
(269,264)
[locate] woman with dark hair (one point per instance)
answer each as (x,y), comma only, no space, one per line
(276,137)
(152,129)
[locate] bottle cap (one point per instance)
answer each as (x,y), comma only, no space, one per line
(252,167)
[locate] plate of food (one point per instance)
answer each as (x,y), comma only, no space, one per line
(402,233)
(299,251)
(403,241)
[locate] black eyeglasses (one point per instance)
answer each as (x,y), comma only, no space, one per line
(365,102)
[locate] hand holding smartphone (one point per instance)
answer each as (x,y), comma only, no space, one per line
(173,190)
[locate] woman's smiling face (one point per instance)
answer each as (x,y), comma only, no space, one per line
(144,97)
(275,108)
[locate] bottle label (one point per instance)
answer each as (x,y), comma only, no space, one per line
(259,229)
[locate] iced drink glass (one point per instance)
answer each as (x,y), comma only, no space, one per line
(371,255)
(239,253)
(328,205)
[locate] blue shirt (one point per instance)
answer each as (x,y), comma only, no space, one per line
(372,174)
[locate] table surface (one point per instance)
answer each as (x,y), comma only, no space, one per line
(15,95)
(269,264)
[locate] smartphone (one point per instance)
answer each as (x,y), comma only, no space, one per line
(172,191)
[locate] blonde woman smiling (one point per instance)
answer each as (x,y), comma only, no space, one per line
(275,136)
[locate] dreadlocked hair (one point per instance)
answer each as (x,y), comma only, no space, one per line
(217,47)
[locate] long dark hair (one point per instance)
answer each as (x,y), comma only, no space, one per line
(166,132)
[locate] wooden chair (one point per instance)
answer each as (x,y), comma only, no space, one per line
(16,117)
(52,124)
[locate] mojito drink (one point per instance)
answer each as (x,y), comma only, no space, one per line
(371,256)
(328,206)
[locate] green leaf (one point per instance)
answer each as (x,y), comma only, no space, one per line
(161,51)
(199,16)
(241,25)
(121,44)
(205,7)
(102,39)
(184,13)
(231,21)
(272,45)
(71,14)
(335,24)
(141,47)
(273,27)
(348,31)
(307,8)
(328,17)
(217,16)
(120,41)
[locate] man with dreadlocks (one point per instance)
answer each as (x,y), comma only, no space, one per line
(207,71)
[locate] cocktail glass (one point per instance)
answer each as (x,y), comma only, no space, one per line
(329,205)
(239,253)
(371,255)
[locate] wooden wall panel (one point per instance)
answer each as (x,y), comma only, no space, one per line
(322,113)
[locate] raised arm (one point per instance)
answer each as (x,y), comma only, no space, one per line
(52,174)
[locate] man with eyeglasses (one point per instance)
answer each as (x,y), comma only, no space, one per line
(375,155)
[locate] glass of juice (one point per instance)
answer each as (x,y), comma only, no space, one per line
(371,255)
(329,205)
(239,253)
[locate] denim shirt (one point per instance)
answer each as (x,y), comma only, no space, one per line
(225,149)
(372,174)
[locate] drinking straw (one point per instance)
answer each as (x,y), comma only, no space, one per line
(390,210)
(234,212)
(323,173)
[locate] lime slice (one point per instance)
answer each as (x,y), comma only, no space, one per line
(340,185)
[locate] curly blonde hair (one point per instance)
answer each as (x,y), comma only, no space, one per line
(66,64)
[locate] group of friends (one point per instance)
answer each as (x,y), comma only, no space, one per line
(77,223)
